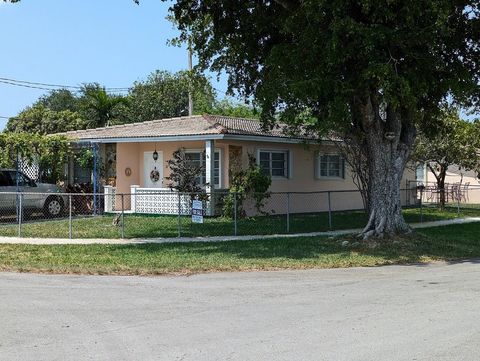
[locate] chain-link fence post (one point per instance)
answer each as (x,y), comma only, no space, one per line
(179,215)
(123,216)
(329,211)
(458,201)
(421,205)
(19,214)
(288,212)
(70,216)
(235,229)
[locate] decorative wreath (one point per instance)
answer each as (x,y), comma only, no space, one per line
(154,175)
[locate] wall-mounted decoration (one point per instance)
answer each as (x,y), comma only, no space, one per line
(128,172)
(155,175)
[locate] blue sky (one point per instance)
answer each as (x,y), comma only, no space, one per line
(113,42)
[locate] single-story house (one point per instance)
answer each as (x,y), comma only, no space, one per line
(295,163)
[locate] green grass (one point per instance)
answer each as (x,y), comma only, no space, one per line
(143,226)
(443,243)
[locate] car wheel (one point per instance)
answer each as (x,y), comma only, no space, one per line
(53,207)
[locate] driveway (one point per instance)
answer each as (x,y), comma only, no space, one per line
(386,313)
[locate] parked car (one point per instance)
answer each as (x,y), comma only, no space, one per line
(35,196)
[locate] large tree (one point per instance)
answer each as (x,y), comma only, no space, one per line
(165,95)
(448,141)
(373,68)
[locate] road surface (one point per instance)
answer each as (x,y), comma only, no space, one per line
(413,312)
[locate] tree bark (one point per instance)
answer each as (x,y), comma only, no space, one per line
(388,142)
(440,176)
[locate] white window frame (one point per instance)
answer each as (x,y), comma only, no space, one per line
(203,160)
(423,167)
(317,165)
(289,160)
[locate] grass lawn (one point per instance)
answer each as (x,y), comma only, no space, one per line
(139,226)
(441,243)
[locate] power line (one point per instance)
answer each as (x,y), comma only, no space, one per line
(47,86)
(25,86)
(75,88)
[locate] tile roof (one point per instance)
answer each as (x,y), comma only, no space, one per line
(184,126)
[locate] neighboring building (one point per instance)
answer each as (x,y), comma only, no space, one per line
(467,181)
(296,164)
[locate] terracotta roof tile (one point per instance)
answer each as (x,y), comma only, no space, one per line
(183,126)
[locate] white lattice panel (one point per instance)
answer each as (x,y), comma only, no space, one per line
(160,201)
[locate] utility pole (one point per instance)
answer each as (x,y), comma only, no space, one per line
(190,96)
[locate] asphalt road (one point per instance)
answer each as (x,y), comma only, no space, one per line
(386,313)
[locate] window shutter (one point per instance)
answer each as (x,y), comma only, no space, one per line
(342,169)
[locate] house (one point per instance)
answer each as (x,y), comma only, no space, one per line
(300,164)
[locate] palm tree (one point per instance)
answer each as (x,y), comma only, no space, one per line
(100,105)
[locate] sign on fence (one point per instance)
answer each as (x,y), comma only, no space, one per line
(197,211)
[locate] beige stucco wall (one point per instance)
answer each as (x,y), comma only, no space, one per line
(302,178)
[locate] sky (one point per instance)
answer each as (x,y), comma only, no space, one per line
(112,42)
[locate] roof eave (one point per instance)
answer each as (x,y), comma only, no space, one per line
(204,137)
(271,138)
(170,138)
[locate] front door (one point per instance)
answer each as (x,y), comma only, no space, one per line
(152,170)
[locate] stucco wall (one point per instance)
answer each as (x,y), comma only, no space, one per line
(302,178)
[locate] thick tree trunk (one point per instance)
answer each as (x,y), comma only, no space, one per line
(388,143)
(386,167)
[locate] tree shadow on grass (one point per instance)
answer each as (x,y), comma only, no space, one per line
(453,244)
(304,249)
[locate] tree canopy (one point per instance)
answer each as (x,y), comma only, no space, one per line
(42,120)
(165,95)
(234,109)
(321,55)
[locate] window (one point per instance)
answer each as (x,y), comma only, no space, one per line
(197,158)
(420,172)
(330,166)
(274,162)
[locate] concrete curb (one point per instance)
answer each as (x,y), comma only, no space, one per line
(52,241)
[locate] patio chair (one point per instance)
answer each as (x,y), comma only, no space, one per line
(464,192)
(454,192)
(432,193)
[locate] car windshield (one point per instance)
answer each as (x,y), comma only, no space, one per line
(23,180)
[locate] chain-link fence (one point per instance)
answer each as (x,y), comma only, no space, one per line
(155,214)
